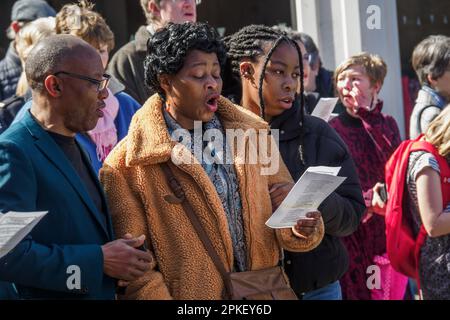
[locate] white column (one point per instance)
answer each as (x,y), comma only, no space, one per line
(306,16)
(385,42)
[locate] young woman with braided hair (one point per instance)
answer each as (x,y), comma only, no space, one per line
(263,75)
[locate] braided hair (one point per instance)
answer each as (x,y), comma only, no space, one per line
(249,43)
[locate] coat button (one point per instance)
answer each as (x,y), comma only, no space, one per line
(288,261)
(282,131)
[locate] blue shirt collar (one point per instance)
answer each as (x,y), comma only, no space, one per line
(436,98)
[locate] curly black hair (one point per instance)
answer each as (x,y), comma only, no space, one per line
(250,42)
(168,47)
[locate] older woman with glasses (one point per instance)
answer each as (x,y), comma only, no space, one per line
(81,21)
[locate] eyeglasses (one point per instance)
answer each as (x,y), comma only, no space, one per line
(101,84)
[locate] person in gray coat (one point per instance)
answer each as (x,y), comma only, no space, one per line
(431,62)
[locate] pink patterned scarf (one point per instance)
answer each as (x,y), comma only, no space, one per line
(104,134)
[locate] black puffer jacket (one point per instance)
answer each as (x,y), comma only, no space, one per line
(341,211)
(10,70)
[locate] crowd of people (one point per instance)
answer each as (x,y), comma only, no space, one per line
(121,152)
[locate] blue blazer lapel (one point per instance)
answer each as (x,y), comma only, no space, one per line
(55,155)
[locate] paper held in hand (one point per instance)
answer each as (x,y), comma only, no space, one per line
(14,226)
(324,108)
(314,186)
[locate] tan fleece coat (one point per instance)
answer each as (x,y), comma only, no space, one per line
(136,187)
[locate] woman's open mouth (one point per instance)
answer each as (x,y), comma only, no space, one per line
(212,102)
(286,103)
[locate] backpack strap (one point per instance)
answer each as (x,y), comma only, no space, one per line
(419,115)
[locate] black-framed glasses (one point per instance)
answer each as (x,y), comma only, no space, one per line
(101,84)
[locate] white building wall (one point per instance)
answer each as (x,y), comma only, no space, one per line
(340,29)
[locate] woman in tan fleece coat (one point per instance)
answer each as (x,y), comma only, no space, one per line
(233,202)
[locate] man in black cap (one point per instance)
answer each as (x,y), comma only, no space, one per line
(23,11)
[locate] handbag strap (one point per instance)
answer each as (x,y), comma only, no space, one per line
(195,221)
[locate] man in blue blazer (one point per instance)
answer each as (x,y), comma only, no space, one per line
(71,253)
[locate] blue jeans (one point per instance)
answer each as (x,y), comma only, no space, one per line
(330,292)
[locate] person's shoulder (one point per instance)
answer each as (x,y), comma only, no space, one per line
(12,104)
(127,101)
(316,124)
(323,131)
(127,50)
(116,159)
(240,114)
(430,112)
(390,119)
(16,138)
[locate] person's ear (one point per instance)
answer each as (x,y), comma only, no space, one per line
(246,70)
(53,86)
(165,82)
(153,8)
(377,87)
(431,81)
(15,25)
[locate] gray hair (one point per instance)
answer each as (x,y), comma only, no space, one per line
(431,57)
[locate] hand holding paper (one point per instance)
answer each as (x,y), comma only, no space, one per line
(314,186)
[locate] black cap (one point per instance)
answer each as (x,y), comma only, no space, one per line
(29,10)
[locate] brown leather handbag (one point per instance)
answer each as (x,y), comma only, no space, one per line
(266,284)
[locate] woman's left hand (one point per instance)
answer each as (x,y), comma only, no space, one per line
(278,192)
(307,226)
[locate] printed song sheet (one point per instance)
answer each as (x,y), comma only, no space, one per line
(14,226)
(314,186)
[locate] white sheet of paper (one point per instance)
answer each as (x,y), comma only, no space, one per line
(332,116)
(324,170)
(14,226)
(314,186)
(324,108)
